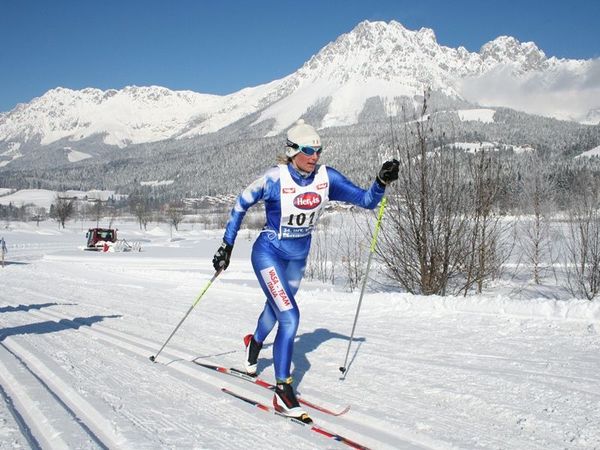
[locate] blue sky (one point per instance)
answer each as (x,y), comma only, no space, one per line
(222,46)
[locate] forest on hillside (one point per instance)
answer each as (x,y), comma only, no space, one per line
(225,162)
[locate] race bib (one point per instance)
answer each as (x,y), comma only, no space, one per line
(301,206)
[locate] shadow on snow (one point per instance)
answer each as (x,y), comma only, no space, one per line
(306,343)
(24,308)
(52,326)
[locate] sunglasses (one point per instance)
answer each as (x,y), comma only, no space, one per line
(306,149)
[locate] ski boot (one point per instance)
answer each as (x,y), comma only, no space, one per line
(252,350)
(286,403)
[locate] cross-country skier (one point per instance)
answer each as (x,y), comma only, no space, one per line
(294,194)
(3,250)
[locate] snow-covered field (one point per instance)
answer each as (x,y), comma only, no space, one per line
(77,328)
(43,198)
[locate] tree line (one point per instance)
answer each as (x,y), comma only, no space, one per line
(454,218)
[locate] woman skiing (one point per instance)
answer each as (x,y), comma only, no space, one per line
(294,195)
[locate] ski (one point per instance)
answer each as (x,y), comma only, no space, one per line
(311,425)
(265,384)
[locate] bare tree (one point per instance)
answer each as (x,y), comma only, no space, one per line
(583,244)
(353,246)
(82,212)
(97,210)
(537,201)
(62,209)
(140,206)
(175,214)
(442,233)
(39,215)
(485,256)
(113,214)
(323,254)
(424,240)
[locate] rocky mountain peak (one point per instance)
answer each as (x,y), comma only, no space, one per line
(508,50)
(377,59)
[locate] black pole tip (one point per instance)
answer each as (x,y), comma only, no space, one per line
(343,369)
(152,358)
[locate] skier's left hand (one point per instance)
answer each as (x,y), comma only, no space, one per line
(222,256)
(388,172)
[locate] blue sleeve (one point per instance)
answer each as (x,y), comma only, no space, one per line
(264,188)
(249,197)
(342,189)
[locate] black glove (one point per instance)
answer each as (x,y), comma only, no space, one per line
(388,172)
(222,256)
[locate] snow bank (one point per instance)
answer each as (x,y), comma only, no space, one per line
(573,309)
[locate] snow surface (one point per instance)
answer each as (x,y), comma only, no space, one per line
(482,115)
(44,198)
(592,152)
(12,153)
(75,156)
(157,183)
(473,147)
(77,328)
(38,197)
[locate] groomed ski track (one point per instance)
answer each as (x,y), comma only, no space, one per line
(92,424)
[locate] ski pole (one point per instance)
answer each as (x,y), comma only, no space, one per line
(217,273)
(362,290)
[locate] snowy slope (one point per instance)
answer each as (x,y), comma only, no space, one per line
(128,116)
(590,153)
(44,198)
(375,59)
(76,330)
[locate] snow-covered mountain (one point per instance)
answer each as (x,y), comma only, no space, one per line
(131,115)
(374,60)
(592,117)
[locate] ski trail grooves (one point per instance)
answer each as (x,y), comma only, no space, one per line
(356,425)
(97,428)
(36,426)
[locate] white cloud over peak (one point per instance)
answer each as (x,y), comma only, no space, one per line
(567,91)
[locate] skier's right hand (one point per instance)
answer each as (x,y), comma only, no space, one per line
(222,256)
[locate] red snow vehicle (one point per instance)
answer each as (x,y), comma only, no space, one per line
(100,239)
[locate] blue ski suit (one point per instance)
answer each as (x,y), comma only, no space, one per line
(279,262)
